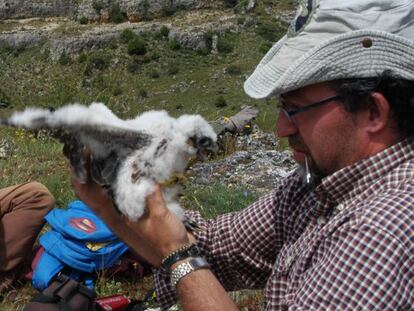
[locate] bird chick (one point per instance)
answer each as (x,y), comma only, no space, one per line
(128,157)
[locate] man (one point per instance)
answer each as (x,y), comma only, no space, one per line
(22,208)
(340,235)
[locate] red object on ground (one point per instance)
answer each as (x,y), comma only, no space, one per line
(113,303)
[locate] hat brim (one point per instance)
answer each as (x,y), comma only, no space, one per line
(344,56)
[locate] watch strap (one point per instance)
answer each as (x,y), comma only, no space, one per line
(187,251)
(186,268)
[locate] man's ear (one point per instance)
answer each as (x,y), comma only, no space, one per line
(378,113)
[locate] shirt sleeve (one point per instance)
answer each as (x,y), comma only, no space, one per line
(240,248)
(363,267)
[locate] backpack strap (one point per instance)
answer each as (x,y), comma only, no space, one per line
(64,291)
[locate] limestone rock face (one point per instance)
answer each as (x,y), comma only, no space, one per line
(96,10)
(16,9)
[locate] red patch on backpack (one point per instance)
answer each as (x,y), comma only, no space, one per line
(83,224)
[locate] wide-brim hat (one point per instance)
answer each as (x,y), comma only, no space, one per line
(330,40)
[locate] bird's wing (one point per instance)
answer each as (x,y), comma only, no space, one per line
(108,146)
(107,137)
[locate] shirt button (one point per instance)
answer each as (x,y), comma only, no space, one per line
(340,207)
(321,220)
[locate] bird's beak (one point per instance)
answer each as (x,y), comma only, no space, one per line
(205,147)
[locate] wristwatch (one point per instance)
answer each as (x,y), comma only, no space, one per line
(186,268)
(187,251)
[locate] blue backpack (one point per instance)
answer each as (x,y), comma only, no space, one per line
(79,242)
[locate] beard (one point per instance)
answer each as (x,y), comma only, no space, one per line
(308,169)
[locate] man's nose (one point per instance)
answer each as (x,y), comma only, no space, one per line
(284,126)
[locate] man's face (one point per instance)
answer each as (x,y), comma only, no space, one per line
(326,134)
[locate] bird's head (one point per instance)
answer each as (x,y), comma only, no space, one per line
(199,133)
(204,145)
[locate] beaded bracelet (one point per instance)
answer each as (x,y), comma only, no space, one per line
(186,251)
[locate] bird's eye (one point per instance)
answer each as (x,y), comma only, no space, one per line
(204,142)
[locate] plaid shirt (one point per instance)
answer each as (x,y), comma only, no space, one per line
(346,244)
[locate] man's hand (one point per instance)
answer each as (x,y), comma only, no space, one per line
(156,234)
(160,227)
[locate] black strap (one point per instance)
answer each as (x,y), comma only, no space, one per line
(61,290)
(64,306)
(45,299)
(178,255)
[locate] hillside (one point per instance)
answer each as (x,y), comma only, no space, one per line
(184,56)
(194,60)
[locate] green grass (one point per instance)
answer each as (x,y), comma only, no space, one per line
(188,82)
(217,199)
(35,81)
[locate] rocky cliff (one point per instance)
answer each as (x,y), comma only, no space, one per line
(134,10)
(75,26)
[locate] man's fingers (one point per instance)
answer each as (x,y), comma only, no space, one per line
(155,202)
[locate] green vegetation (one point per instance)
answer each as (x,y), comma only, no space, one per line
(117,16)
(220,102)
(127,35)
(137,46)
(131,75)
(97,5)
(164,31)
(217,199)
(128,84)
(83,20)
(174,44)
(230,3)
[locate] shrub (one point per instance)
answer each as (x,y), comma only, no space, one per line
(97,5)
(208,38)
(117,16)
(82,58)
(83,20)
(134,66)
(172,69)
(265,47)
(175,44)
(154,73)
(164,31)
(168,10)
(230,3)
(233,70)
(241,20)
(4,99)
(137,46)
(117,91)
(224,46)
(65,59)
(127,35)
(154,56)
(203,51)
(220,102)
(143,93)
(145,10)
(99,61)
(113,44)
(271,31)
(14,51)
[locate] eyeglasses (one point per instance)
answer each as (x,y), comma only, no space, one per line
(291,112)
